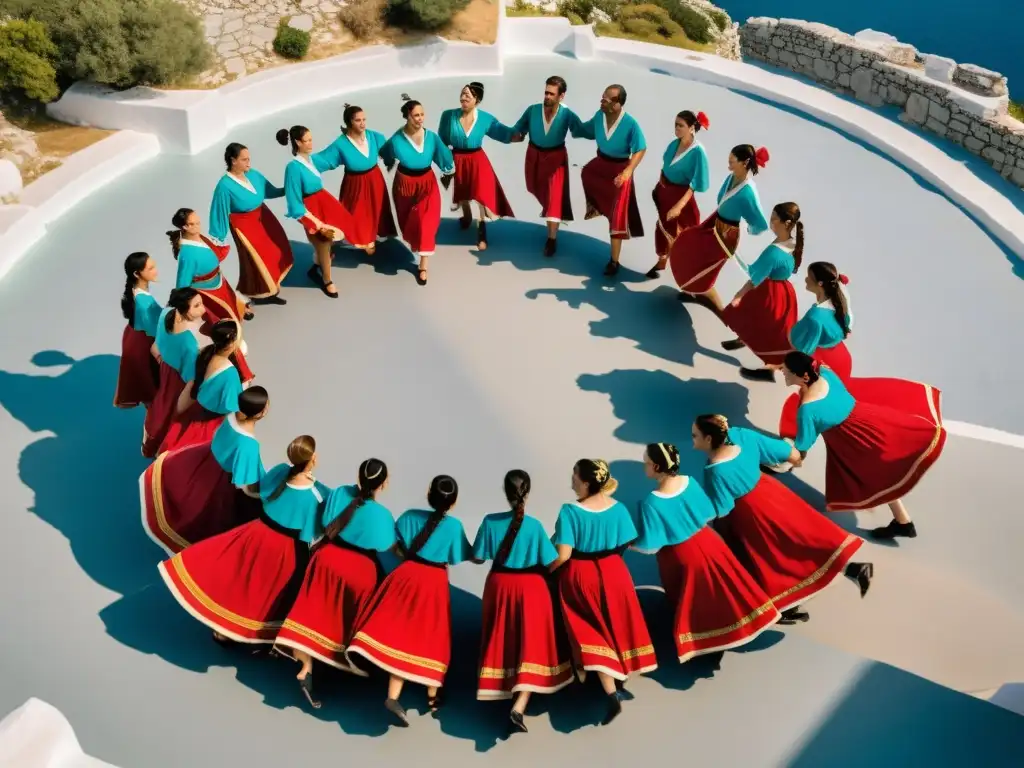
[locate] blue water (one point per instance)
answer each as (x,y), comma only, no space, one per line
(986,33)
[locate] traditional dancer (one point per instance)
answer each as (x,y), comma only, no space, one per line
(199,491)
(684,171)
(138,373)
(321,215)
(177,342)
(238,208)
(717,605)
(342,575)
(608,178)
(792,551)
(599,604)
(881,436)
(464,130)
(242,583)
(211,395)
(547,162)
(822,331)
(699,253)
(764,310)
(520,652)
(406,628)
(417,198)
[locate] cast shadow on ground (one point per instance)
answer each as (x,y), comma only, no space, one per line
(391,258)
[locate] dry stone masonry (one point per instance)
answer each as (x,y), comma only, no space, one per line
(960,102)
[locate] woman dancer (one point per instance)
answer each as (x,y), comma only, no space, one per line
(138,373)
(717,605)
(342,575)
(241,583)
(599,604)
(321,215)
(520,652)
(684,171)
(238,207)
(464,130)
(792,551)
(822,331)
(406,628)
(364,192)
(881,436)
(177,342)
(211,395)
(765,309)
(199,491)
(699,253)
(417,198)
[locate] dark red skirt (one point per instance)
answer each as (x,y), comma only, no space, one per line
(717,604)
(188,497)
(666,195)
(161,411)
(547,179)
(418,209)
(764,318)
(193,427)
(366,196)
(617,204)
(406,627)
(602,615)
(339,584)
(792,550)
(264,253)
(138,374)
(476,181)
(328,210)
(699,253)
(241,583)
(520,648)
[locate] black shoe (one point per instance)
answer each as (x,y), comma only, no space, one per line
(894,530)
(732,345)
(306,684)
(398,712)
(614,708)
(655,272)
(248,316)
(794,615)
(550,247)
(517,721)
(612,269)
(862,573)
(275,299)
(465,222)
(421,277)
(757,374)
(481,236)
(328,294)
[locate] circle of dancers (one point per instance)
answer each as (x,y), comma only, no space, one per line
(280,559)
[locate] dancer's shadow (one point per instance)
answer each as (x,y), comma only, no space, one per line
(390,258)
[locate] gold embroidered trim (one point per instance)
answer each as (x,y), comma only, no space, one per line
(691,637)
(236,313)
(241,241)
(313,635)
(204,599)
(156,488)
(816,576)
(609,653)
(526,668)
(408,658)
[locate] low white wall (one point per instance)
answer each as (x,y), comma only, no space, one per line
(37,735)
(538,36)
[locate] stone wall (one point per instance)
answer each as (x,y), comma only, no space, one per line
(960,102)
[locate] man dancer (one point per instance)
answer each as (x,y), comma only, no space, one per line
(608,178)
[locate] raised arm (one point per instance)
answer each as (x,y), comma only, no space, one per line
(585,130)
(270,192)
(498,131)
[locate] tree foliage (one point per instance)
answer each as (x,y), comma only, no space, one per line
(290,42)
(26,55)
(428,15)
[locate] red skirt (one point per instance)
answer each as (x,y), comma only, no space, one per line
(366,196)
(617,204)
(717,604)
(764,318)
(161,411)
(602,615)
(138,374)
(476,181)
(406,627)
(792,551)
(666,195)
(188,497)
(241,583)
(340,582)
(547,179)
(193,427)
(418,209)
(700,252)
(325,207)
(519,648)
(264,253)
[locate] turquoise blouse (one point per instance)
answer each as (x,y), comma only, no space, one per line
(726,481)
(531,548)
(232,196)
(741,203)
(301,179)
(623,140)
(178,350)
(147,314)
(371,527)
(589,531)
(344,152)
(775,263)
(546,136)
(447,544)
(818,328)
(820,415)
(238,453)
(197,258)
(690,169)
(219,393)
(452,133)
(664,521)
(399,148)
(297,508)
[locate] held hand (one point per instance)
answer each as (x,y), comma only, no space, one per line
(735,302)
(674,213)
(623,177)
(327,233)
(517,137)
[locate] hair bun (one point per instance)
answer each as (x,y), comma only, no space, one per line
(844,280)
(703,121)
(762,157)
(282,137)
(406,97)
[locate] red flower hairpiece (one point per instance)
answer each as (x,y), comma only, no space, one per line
(844,280)
(762,157)
(703,120)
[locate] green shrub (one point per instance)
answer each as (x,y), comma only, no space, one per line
(25,55)
(648,20)
(574,18)
(694,24)
(427,15)
(721,18)
(1017,110)
(291,43)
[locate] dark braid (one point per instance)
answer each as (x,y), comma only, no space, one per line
(135,263)
(179,301)
(300,453)
(223,334)
(372,475)
(178,221)
(517,488)
(441,497)
(829,277)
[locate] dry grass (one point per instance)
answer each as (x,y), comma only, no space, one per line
(522,8)
(1017,110)
(614,29)
(55,139)
(364,18)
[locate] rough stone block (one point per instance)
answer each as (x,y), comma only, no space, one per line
(861,81)
(938,112)
(936,127)
(917,108)
(897,96)
(899,53)
(787,57)
(805,61)
(872,36)
(844,80)
(303,22)
(956,125)
(1017,177)
(939,68)
(993,155)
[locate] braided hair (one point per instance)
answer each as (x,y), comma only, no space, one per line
(300,452)
(372,475)
(179,300)
(223,334)
(133,265)
(789,213)
(665,458)
(441,497)
(517,488)
(178,221)
(596,476)
(828,276)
